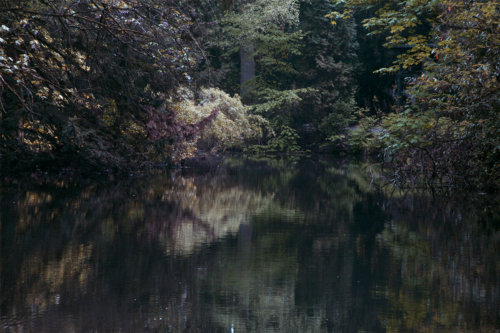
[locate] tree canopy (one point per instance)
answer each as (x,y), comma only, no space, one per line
(90,77)
(118,83)
(449,124)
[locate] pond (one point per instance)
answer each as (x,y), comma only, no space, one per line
(244,245)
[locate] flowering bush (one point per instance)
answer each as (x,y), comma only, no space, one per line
(232,128)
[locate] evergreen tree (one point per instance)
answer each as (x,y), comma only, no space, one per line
(258,40)
(328,64)
(304,67)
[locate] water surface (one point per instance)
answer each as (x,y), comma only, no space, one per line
(277,245)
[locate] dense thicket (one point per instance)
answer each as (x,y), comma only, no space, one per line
(90,79)
(448,127)
(328,65)
(291,64)
(133,83)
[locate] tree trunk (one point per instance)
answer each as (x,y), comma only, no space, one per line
(247,72)
(20,131)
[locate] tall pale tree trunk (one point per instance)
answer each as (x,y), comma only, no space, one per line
(247,72)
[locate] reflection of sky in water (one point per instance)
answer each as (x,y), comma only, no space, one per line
(269,246)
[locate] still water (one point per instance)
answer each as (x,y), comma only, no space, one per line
(244,245)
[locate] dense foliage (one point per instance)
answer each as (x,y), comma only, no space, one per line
(89,79)
(128,84)
(231,127)
(448,128)
(291,64)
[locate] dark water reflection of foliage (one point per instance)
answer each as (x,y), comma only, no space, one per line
(279,245)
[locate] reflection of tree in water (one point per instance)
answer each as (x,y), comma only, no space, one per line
(448,259)
(280,245)
(251,289)
(272,282)
(293,274)
(66,238)
(74,240)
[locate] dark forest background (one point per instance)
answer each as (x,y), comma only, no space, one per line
(124,85)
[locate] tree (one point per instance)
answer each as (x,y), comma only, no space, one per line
(303,72)
(328,63)
(91,78)
(448,128)
(258,41)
